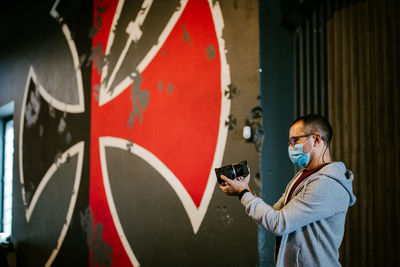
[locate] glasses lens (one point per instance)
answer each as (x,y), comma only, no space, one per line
(292,141)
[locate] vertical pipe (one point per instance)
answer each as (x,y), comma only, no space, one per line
(395,30)
(296,72)
(307,100)
(322,57)
(301,73)
(315,66)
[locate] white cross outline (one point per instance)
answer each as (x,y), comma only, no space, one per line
(77,149)
(196,215)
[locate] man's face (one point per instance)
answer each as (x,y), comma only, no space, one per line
(297,130)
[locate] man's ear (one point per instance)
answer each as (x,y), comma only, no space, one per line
(318,138)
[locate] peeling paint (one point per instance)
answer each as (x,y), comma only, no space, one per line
(57,159)
(28,195)
(143,97)
(68,138)
(135,112)
(186,37)
(97,21)
(170,88)
(41,130)
(96,95)
(32,108)
(68,158)
(101,251)
(129,145)
(160,85)
(82,60)
(52,111)
(140,100)
(98,57)
(61,126)
(93,31)
(210,52)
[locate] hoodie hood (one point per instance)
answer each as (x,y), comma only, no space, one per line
(338,172)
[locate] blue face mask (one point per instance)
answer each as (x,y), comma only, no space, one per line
(297,156)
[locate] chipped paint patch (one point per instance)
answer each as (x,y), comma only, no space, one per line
(210,52)
(140,100)
(186,37)
(101,251)
(170,88)
(32,108)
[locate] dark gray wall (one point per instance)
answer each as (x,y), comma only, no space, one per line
(276,61)
(30,37)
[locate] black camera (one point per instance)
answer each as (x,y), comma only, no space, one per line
(232,171)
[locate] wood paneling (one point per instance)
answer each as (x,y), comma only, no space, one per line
(363,99)
(347,68)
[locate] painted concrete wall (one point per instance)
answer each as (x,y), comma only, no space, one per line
(276,61)
(122,111)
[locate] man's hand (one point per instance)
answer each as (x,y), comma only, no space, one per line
(234,187)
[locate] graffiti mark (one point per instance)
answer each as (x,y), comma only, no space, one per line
(210,52)
(185,34)
(232,91)
(231,122)
(226,218)
(255,122)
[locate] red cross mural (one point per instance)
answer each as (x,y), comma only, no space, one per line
(168,109)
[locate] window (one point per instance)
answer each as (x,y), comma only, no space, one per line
(6,170)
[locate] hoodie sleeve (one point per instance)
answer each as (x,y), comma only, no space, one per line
(278,205)
(319,199)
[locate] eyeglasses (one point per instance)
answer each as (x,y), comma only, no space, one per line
(292,140)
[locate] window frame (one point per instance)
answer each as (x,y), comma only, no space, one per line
(6,115)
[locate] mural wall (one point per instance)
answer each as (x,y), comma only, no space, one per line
(123,110)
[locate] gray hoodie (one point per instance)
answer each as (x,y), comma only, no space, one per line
(312,223)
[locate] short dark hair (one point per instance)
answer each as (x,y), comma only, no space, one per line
(317,123)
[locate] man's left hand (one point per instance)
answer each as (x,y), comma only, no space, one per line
(234,187)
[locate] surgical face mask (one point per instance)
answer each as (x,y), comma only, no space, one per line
(297,156)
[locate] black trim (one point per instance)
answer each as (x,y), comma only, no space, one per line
(241,194)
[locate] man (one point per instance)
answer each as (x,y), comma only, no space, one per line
(308,220)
